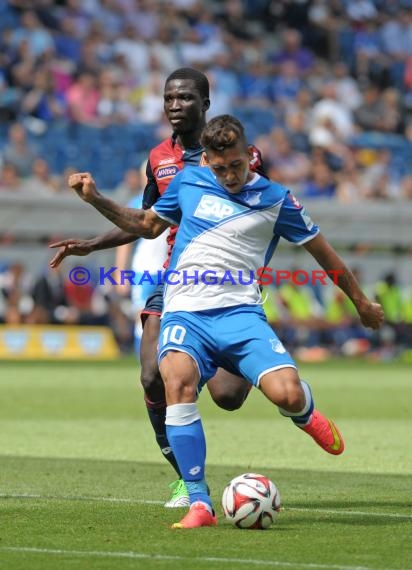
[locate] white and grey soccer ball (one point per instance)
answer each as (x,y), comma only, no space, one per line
(251,501)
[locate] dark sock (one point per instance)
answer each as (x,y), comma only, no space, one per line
(157,416)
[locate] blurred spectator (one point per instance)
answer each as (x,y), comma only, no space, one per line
(201,41)
(18,151)
(406,187)
(43,101)
(329,109)
(150,105)
(49,299)
(130,186)
(221,102)
(370,62)
(347,89)
(68,41)
(369,114)
(296,131)
(286,85)
(164,49)
(232,18)
(292,50)
(225,77)
(41,181)
(393,115)
(10,179)
(31,30)
(83,98)
(15,284)
(146,19)
(323,29)
(327,147)
(135,50)
(113,107)
(303,104)
(255,85)
(76,12)
(377,182)
(396,40)
(9,95)
(349,187)
(284,164)
(360,10)
(389,294)
(110,18)
(320,183)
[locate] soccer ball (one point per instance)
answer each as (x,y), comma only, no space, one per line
(251,501)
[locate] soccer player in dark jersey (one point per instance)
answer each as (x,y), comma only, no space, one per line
(186,101)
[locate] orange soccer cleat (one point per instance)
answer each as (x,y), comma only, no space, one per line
(198,515)
(325,433)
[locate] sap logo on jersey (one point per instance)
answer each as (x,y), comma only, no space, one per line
(215,209)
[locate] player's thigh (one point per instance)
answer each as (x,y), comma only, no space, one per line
(180,374)
(228,390)
(185,332)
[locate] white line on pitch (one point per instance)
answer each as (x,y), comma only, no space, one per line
(149,502)
(140,555)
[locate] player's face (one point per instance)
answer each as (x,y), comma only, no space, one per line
(184,107)
(231,167)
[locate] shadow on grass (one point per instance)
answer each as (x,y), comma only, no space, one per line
(304,493)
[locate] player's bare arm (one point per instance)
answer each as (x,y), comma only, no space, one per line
(371,314)
(74,246)
(141,223)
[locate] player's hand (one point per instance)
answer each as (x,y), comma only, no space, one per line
(84,185)
(371,315)
(69,247)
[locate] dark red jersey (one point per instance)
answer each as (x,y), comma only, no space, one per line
(165,161)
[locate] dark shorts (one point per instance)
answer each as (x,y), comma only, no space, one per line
(154,304)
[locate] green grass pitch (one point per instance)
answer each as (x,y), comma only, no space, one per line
(82,482)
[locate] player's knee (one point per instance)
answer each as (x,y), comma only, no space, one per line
(292,398)
(283,388)
(180,389)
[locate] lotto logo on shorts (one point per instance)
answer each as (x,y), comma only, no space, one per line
(215,209)
(167,171)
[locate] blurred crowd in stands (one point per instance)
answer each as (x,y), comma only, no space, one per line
(324,88)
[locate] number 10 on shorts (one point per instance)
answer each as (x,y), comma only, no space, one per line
(175,334)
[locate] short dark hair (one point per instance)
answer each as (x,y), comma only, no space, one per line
(222,132)
(199,79)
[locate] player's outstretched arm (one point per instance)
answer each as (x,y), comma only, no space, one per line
(371,314)
(142,223)
(74,246)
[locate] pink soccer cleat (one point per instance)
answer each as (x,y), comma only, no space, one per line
(325,433)
(198,515)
